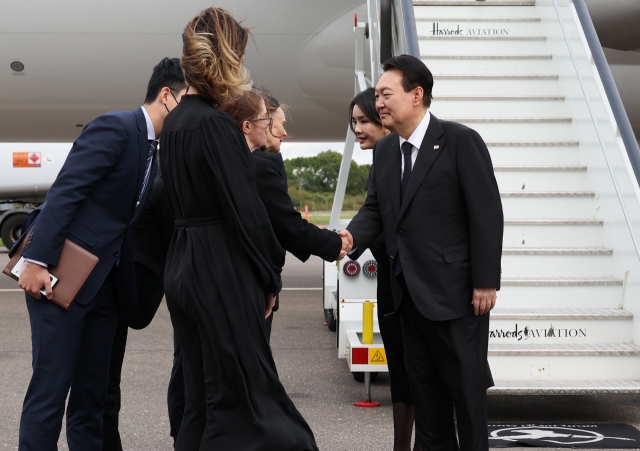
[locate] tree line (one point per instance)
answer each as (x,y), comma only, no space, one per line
(312,181)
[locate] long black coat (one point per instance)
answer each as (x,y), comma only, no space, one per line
(222,259)
(448,231)
(295,234)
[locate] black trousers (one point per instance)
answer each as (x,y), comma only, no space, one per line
(448,373)
(113,401)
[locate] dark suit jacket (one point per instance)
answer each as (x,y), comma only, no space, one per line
(295,234)
(448,230)
(151,237)
(93,200)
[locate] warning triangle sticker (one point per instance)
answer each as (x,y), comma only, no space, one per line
(378,358)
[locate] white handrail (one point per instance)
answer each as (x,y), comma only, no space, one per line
(597,129)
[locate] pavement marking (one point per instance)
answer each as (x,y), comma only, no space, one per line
(301,289)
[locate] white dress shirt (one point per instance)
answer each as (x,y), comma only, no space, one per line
(416,141)
(151,132)
(151,135)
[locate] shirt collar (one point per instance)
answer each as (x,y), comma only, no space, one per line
(418,134)
(151,132)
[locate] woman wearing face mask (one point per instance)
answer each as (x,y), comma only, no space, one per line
(224,261)
(295,234)
(366,125)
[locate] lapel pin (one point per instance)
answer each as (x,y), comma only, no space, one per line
(436,147)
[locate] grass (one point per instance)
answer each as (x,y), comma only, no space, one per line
(1,243)
(323,219)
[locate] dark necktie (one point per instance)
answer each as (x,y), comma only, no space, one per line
(153,145)
(406,152)
(406,173)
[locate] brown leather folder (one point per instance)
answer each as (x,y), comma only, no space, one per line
(73,269)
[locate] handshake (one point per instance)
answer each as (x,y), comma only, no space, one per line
(347,243)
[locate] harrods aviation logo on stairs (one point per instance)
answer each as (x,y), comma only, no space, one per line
(437,31)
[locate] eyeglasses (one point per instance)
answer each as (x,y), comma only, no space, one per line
(268,119)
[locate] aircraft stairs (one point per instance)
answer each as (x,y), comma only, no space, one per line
(520,72)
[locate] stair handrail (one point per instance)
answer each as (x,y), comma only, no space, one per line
(593,117)
(405,23)
(619,113)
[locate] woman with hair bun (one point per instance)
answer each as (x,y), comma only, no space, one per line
(223,266)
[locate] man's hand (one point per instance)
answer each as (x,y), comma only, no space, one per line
(270,303)
(347,243)
(484,300)
(33,277)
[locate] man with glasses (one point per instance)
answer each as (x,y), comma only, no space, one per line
(166,87)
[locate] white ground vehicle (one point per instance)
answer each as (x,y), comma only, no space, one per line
(27,174)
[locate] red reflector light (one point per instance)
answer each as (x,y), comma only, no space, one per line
(360,356)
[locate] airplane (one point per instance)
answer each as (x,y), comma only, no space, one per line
(78,59)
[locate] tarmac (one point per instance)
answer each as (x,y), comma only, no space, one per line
(319,383)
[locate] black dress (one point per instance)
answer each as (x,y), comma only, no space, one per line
(222,259)
(390,329)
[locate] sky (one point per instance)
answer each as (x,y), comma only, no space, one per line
(289,149)
(293,150)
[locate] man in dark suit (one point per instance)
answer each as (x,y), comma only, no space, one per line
(433,194)
(94,201)
(150,241)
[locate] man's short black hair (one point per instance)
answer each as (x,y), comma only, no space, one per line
(414,74)
(166,74)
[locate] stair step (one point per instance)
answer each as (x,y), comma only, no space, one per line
(562,362)
(496,77)
(519,179)
(567,349)
(593,387)
(560,281)
(556,251)
(532,143)
(511,66)
(560,153)
(553,233)
(491,86)
(553,222)
(524,108)
(549,205)
(528,129)
(474,3)
(556,262)
(540,168)
(557,326)
(538,178)
(560,314)
(559,296)
(481,38)
(547,194)
(478,19)
(482,44)
(486,57)
(509,120)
